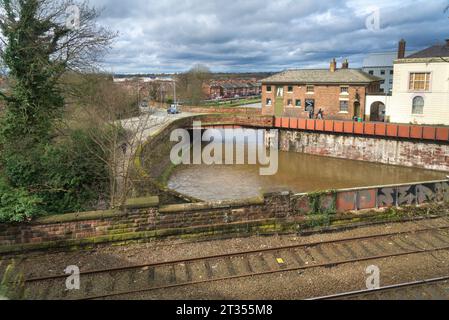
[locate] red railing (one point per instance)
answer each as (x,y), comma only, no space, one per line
(405,131)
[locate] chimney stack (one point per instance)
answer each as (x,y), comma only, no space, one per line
(345,64)
(333,66)
(401,49)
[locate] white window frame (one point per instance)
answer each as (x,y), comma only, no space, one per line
(344,93)
(310,86)
(339,106)
(429,79)
(423,106)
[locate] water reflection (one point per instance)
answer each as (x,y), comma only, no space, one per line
(297,172)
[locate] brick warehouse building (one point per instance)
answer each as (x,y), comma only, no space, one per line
(340,93)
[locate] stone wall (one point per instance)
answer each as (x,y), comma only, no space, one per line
(144,219)
(428,155)
(152,165)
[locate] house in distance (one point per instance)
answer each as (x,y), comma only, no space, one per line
(339,92)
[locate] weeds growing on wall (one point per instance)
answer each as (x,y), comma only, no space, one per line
(12,285)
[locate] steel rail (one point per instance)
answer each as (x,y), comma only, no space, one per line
(353,294)
(243,253)
(305,267)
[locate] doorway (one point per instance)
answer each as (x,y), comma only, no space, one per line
(377,112)
(279,104)
(357,110)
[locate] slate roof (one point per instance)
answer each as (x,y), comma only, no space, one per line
(380,59)
(432,52)
(340,76)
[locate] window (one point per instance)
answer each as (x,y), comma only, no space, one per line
(418,105)
(344,106)
(419,81)
(344,90)
(391,72)
(268,102)
(290,102)
(298,103)
(382,72)
(310,89)
(371,72)
(290,89)
(268,88)
(391,81)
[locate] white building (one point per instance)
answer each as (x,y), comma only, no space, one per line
(381,65)
(421,88)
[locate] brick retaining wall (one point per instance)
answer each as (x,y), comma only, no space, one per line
(222,110)
(144,219)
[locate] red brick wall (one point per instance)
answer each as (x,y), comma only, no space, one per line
(327,97)
(39,232)
(145,219)
(144,223)
(237,119)
(253,111)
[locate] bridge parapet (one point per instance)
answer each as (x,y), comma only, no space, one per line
(373,129)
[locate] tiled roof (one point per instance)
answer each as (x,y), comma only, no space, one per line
(342,76)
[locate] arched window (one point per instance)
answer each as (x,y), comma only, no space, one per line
(418,105)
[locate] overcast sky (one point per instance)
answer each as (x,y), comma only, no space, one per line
(260,35)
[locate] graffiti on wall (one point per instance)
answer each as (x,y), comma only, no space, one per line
(380,197)
(415,194)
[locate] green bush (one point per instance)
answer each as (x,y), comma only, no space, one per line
(16,204)
(51,179)
(75,174)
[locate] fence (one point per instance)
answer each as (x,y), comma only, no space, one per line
(404,131)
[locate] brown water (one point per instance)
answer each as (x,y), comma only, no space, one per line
(297,173)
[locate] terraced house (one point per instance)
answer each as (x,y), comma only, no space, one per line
(339,93)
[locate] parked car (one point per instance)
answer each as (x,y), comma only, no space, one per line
(173,109)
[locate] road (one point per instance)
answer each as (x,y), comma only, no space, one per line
(252,105)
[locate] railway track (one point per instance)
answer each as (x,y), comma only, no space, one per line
(127,281)
(432,289)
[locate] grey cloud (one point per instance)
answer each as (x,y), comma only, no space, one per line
(261,35)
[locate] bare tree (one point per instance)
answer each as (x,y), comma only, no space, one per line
(110,116)
(72,38)
(190,84)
